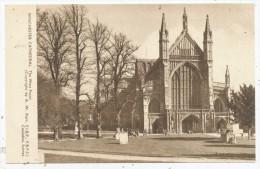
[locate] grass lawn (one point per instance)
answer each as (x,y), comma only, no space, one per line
(185,145)
(70,135)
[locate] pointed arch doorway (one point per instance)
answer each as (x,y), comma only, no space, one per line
(191,123)
(222,124)
(156,126)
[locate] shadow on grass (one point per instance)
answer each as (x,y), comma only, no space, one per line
(49,136)
(232,145)
(111,138)
(213,141)
(185,139)
(113,143)
(242,156)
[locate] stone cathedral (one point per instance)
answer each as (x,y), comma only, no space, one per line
(179,93)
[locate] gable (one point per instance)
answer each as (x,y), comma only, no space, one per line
(185,48)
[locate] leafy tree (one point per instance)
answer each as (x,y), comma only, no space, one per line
(242,103)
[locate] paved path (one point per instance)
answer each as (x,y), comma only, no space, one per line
(213,134)
(134,158)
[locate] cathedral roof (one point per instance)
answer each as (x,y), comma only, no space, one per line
(185,34)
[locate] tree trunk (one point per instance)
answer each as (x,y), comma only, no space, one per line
(99,130)
(80,133)
(60,132)
(118,123)
(249,133)
(58,128)
(56,134)
(78,81)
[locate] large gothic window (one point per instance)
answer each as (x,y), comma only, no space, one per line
(186,91)
(196,93)
(176,91)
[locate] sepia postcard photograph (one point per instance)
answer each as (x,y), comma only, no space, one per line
(161,84)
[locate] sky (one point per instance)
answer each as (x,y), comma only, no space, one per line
(232,26)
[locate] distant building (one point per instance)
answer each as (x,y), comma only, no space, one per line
(179,93)
(106,88)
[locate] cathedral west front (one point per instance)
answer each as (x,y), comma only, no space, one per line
(179,92)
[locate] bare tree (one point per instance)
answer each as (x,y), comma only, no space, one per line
(76,16)
(106,82)
(99,36)
(122,68)
(41,16)
(53,51)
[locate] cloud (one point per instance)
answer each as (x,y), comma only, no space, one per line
(150,47)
